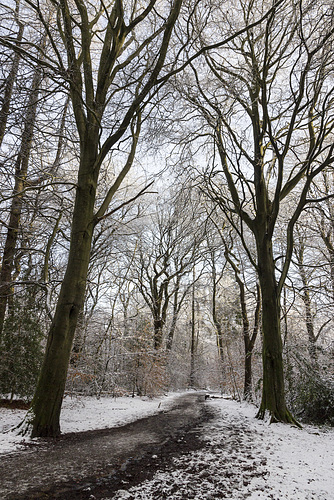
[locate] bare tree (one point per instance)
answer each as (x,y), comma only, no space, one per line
(165,255)
(249,335)
(110,59)
(22,180)
(235,260)
(9,81)
(324,218)
(267,102)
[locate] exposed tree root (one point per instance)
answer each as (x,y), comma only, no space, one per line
(275,417)
(25,426)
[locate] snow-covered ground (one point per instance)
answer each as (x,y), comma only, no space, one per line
(84,414)
(242,458)
(248,459)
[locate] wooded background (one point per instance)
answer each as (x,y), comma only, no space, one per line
(166,203)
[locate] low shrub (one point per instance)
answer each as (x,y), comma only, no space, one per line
(310,393)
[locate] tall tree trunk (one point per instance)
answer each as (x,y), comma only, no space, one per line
(159,309)
(21,170)
(176,309)
(193,338)
(249,342)
(89,89)
(158,325)
(308,315)
(219,330)
(248,386)
(331,263)
(216,319)
(299,252)
(249,339)
(48,397)
(220,347)
(273,393)
(9,84)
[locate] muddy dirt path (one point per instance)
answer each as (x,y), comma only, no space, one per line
(97,463)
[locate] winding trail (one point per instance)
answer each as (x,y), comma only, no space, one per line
(192,450)
(96,463)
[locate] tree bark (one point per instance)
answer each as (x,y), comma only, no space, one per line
(249,339)
(158,324)
(9,84)
(170,336)
(249,342)
(248,385)
(47,401)
(217,323)
(308,309)
(177,302)
(193,338)
(21,170)
(273,393)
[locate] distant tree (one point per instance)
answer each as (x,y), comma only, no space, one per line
(25,183)
(166,252)
(224,244)
(20,175)
(305,273)
(323,194)
(249,334)
(217,268)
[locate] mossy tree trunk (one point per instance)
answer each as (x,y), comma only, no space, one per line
(273,392)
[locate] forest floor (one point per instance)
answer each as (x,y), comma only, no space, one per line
(190,448)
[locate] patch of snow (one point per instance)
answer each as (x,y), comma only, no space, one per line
(244,458)
(299,462)
(84,414)
(8,440)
